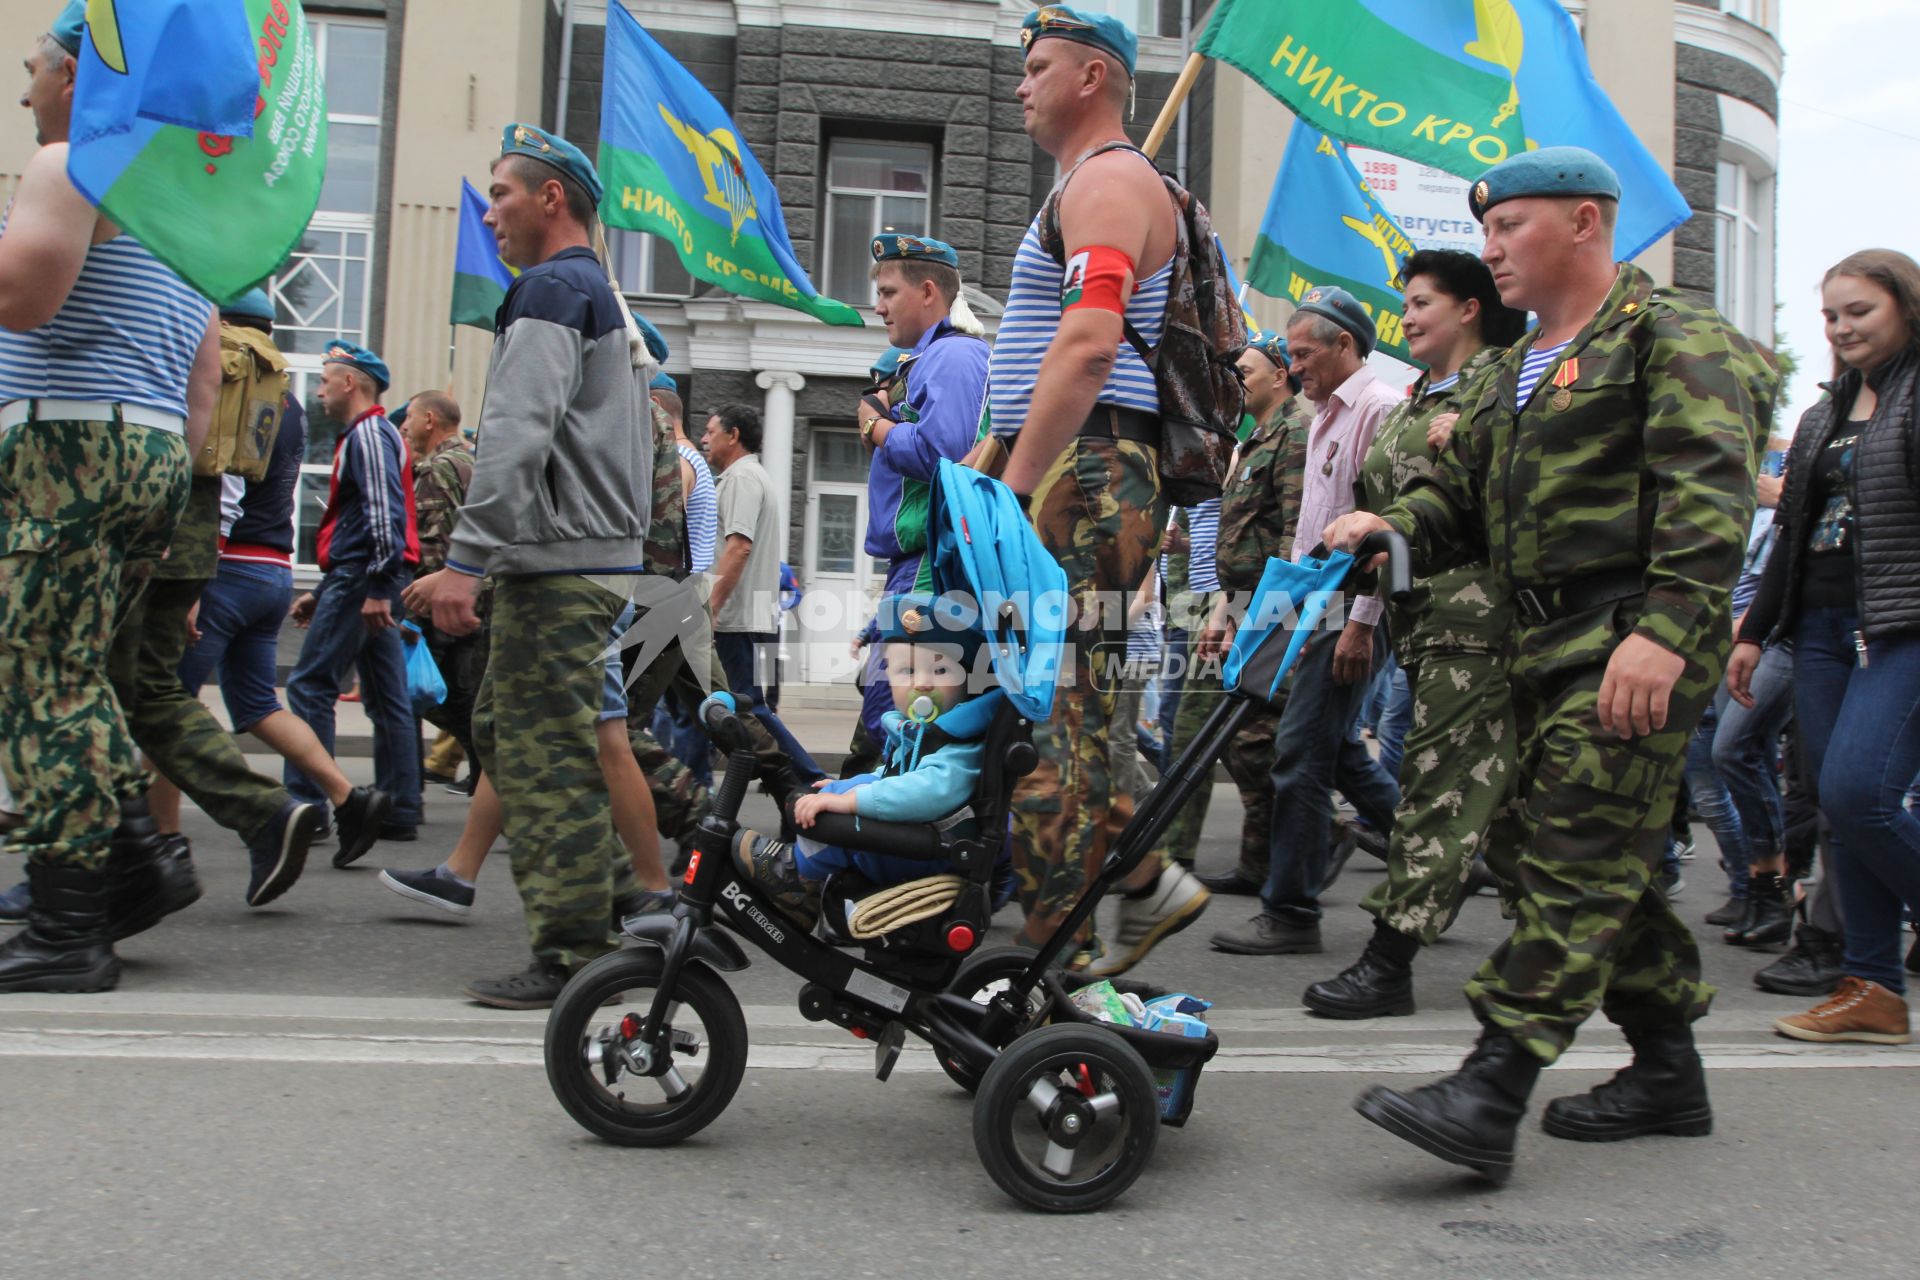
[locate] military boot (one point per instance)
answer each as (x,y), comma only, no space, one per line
(149,876)
(64,947)
(1471,1117)
(1377,985)
(1663,1090)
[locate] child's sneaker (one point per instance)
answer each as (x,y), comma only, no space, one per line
(435,887)
(768,863)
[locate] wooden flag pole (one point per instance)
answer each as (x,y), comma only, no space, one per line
(1169,113)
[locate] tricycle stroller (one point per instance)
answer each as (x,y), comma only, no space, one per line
(647,1046)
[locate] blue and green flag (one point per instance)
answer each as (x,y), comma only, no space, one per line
(200,128)
(480,277)
(674,166)
(1325,226)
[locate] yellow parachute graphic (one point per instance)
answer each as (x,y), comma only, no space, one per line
(717,154)
(1502,41)
(104,22)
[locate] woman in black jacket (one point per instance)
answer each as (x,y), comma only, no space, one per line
(1844,586)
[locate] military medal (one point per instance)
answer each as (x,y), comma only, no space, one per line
(1326,468)
(1564,377)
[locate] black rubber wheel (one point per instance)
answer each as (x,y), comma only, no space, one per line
(980,975)
(709,1050)
(1077,1082)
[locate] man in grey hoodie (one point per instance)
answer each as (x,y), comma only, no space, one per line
(557,516)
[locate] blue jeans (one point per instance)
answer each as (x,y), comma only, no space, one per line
(1860,732)
(1391,730)
(1746,752)
(738,651)
(1714,803)
(1313,753)
(337,641)
(673,726)
(1179,653)
(240,615)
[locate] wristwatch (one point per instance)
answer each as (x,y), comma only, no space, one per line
(866,429)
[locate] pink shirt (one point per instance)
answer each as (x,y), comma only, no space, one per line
(1337,443)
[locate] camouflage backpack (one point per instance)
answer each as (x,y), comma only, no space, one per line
(667,547)
(1202,398)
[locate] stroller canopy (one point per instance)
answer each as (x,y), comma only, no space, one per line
(981,546)
(1286,607)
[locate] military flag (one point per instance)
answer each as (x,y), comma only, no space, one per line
(673,165)
(200,128)
(1323,226)
(480,277)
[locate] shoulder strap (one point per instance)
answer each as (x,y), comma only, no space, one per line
(1050,237)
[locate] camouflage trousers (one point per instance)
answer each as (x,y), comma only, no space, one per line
(534,729)
(172,727)
(1456,782)
(1248,757)
(1098,510)
(86,509)
(1591,930)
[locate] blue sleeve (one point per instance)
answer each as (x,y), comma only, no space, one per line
(946,387)
(376,473)
(943,783)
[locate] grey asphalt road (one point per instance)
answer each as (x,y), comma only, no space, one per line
(300,1091)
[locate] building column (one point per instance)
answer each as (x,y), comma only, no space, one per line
(776,445)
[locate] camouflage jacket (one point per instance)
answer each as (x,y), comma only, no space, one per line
(440,480)
(1636,452)
(1261,503)
(667,550)
(1458,610)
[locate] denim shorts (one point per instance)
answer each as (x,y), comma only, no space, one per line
(613,692)
(240,615)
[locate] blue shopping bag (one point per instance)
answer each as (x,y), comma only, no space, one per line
(425,685)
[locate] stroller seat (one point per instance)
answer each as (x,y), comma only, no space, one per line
(925,941)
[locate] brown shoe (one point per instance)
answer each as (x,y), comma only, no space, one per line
(1858,1011)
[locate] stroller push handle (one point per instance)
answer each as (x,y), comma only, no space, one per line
(720,716)
(1399,561)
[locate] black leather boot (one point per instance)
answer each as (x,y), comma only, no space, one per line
(1769,918)
(1811,966)
(149,876)
(64,947)
(1663,1090)
(1471,1117)
(1377,985)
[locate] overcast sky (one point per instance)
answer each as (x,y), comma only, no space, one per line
(1843,185)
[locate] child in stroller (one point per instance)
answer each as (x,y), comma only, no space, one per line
(935,737)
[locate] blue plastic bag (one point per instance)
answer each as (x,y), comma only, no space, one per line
(425,685)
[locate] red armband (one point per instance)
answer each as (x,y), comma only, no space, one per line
(1097,276)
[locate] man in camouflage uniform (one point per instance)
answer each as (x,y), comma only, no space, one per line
(442,471)
(1456,777)
(1610,481)
(557,516)
(1084,455)
(1257,516)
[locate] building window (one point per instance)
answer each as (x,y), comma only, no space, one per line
(1742,267)
(324,292)
(872,187)
(645,264)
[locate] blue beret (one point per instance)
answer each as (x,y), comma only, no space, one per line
(254,304)
(662,382)
(884,367)
(1274,347)
(919,618)
(399,416)
(550,148)
(1343,309)
(656,341)
(899,248)
(359,358)
(1550,171)
(67,27)
(1096,30)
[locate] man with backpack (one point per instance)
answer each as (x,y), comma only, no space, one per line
(1076,401)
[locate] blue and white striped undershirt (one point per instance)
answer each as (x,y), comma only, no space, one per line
(1533,366)
(703,511)
(127,334)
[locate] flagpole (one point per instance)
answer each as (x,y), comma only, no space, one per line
(1169,113)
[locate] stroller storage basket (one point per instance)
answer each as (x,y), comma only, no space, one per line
(1176,1060)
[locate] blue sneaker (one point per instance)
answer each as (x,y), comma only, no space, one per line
(279,853)
(14,903)
(434,888)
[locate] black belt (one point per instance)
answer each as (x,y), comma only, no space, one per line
(1111,422)
(1541,605)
